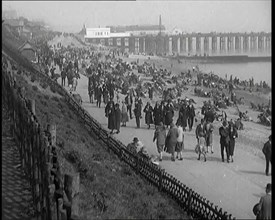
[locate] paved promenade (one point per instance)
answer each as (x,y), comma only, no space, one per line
(234,187)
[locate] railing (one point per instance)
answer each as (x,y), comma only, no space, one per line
(39,157)
(190,201)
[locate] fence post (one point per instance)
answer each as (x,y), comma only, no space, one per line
(33,106)
(72,188)
(160,179)
(62,214)
(53,210)
(189,202)
(137,163)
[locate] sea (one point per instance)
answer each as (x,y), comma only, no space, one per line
(260,71)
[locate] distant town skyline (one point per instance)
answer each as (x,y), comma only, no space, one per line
(189,16)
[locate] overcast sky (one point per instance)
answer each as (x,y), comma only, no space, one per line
(189,16)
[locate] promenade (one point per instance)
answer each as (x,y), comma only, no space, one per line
(234,187)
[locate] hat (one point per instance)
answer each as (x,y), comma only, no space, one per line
(268,187)
(135,139)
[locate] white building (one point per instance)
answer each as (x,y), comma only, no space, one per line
(101,33)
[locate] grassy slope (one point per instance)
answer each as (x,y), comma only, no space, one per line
(126,195)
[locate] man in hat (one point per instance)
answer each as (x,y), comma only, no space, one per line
(224,140)
(171,140)
(160,136)
(200,135)
(190,114)
(263,210)
(129,103)
(267,152)
(133,145)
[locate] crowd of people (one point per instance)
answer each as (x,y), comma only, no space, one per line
(104,84)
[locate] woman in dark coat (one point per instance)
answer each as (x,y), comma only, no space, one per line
(233,134)
(148,109)
(162,112)
(110,113)
(157,114)
(169,113)
(137,112)
(117,117)
(171,140)
(183,116)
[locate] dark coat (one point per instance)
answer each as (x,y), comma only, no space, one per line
(162,113)
(171,139)
(160,135)
(265,207)
(128,100)
(110,113)
(148,114)
(191,111)
(231,137)
(157,115)
(183,115)
(267,150)
(224,135)
(137,110)
(200,132)
(169,114)
(117,118)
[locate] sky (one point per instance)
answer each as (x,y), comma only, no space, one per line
(189,16)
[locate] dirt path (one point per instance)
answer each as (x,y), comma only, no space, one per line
(235,187)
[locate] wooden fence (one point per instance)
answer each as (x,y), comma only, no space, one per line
(53,193)
(190,201)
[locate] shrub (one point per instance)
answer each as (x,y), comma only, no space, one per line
(44,85)
(46,97)
(33,78)
(53,89)
(34,88)
(54,98)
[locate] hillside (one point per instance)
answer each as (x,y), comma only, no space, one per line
(104,178)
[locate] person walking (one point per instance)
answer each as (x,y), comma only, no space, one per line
(99,93)
(91,90)
(180,144)
(263,209)
(190,114)
(117,117)
(233,134)
(200,135)
(182,120)
(129,103)
(137,112)
(160,136)
(157,114)
(63,77)
(268,154)
(148,109)
(124,115)
(110,113)
(224,140)
(169,113)
(171,140)
(162,112)
(208,129)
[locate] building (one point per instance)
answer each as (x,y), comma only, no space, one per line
(139,30)
(28,51)
(105,37)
